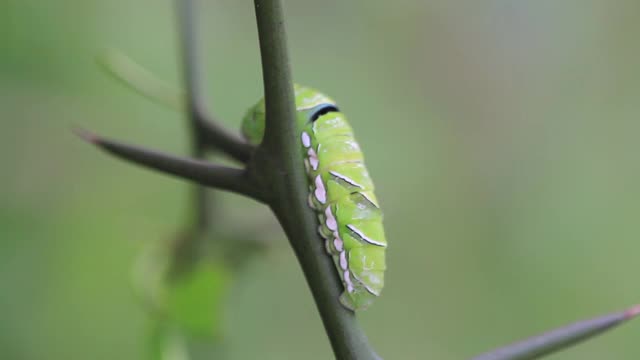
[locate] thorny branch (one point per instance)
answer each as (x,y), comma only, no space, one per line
(275,169)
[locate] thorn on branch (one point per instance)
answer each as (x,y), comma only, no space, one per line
(560,338)
(201,172)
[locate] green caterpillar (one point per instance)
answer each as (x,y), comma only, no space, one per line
(341,193)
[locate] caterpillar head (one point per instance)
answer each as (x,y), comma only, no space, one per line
(309,104)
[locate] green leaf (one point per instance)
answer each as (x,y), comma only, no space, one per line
(141,80)
(195,299)
(165,343)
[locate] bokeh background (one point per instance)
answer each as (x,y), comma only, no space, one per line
(502,136)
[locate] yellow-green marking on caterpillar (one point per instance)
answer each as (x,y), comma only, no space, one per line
(340,192)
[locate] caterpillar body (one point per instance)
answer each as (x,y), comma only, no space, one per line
(340,192)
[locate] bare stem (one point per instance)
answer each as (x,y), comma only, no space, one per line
(205,130)
(195,102)
(279,160)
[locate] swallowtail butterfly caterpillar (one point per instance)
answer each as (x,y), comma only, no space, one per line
(340,192)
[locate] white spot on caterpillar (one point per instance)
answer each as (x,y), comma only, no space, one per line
(320,192)
(331,222)
(306,140)
(346,179)
(364,237)
(313,159)
(337,242)
(343,260)
(347,279)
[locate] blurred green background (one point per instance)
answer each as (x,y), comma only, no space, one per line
(502,136)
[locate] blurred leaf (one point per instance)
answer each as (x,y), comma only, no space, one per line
(139,79)
(165,343)
(149,276)
(195,299)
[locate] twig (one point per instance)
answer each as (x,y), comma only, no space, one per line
(205,130)
(195,104)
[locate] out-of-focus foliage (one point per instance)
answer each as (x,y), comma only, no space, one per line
(502,137)
(194,301)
